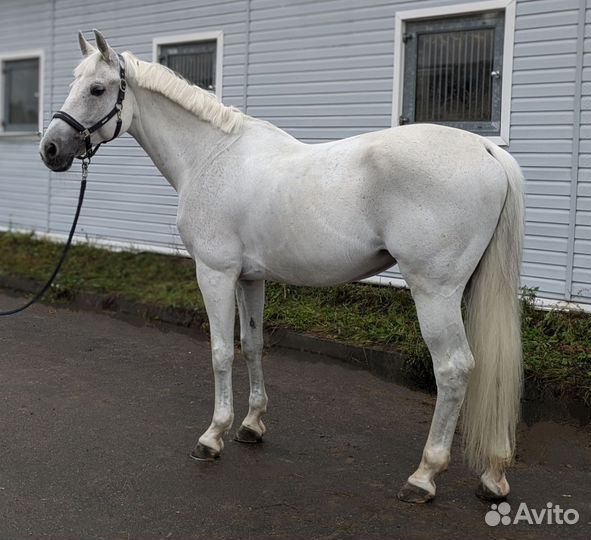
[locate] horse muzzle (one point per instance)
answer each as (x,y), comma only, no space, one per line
(58,154)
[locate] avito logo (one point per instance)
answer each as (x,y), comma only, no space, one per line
(553,514)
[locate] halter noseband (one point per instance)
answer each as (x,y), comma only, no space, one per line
(85,133)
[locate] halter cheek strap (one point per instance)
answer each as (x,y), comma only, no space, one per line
(85,133)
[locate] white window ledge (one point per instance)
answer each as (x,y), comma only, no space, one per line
(21,135)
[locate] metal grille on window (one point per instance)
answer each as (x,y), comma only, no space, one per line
(452,72)
(195,61)
(21,95)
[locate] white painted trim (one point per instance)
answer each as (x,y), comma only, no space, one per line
(110,245)
(473,7)
(507,81)
(200,36)
(24,55)
(454,9)
(500,141)
(546,304)
(116,245)
(398,69)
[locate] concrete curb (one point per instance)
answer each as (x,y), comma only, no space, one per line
(388,364)
(537,404)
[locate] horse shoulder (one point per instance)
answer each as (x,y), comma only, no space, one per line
(206,223)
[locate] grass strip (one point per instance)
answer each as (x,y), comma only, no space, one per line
(556,344)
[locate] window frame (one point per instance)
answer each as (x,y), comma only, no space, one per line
(508,6)
(39,55)
(218,36)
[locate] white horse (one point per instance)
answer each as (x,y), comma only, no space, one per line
(256,204)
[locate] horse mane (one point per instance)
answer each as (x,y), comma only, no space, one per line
(158,78)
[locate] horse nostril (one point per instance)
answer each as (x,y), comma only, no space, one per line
(50,150)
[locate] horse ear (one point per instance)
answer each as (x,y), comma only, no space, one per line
(103,46)
(85,47)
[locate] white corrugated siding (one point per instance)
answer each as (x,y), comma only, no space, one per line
(127,199)
(25,25)
(321,70)
(581,280)
(542,118)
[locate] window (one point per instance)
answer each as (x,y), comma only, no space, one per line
(21,93)
(454,67)
(197,58)
(194,61)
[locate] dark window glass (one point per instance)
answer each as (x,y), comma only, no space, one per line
(452,72)
(195,61)
(21,95)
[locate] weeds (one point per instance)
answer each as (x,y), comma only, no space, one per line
(556,344)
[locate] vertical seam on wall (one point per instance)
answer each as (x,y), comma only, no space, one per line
(574,175)
(51,72)
(246,59)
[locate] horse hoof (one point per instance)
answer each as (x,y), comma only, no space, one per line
(204,453)
(247,435)
(485,494)
(414,494)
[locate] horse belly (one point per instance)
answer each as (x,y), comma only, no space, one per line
(316,268)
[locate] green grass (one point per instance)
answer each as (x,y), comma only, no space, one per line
(557,345)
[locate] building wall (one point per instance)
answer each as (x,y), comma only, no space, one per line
(545,113)
(321,70)
(25,25)
(580,286)
(127,199)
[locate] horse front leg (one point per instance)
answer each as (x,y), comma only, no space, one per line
(442,328)
(217,289)
(251,301)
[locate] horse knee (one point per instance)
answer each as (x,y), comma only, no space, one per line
(222,358)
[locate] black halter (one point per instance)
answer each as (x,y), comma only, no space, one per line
(85,133)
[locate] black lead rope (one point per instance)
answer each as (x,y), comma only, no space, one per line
(47,286)
(85,134)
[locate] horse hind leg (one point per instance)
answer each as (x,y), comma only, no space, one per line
(442,329)
(251,300)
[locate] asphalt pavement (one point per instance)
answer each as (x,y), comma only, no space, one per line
(98,416)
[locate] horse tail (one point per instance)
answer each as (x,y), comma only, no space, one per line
(493,327)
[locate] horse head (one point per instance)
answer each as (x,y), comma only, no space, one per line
(94,110)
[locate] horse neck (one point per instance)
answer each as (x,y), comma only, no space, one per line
(176,140)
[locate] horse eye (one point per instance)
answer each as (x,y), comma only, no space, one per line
(97,90)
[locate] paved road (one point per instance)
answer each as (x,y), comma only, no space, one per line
(98,417)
